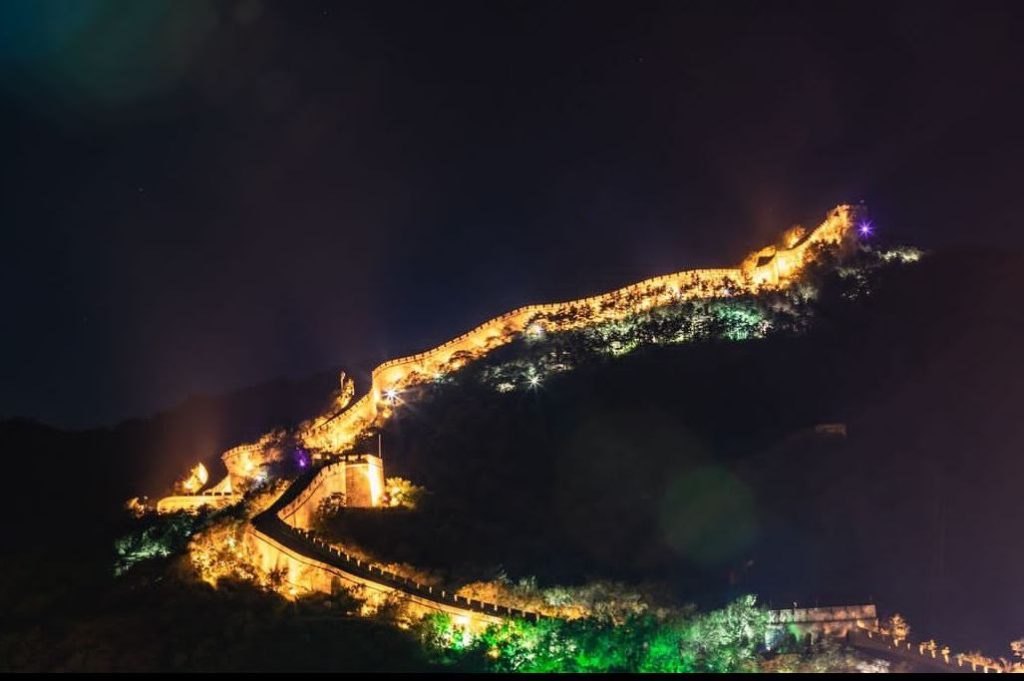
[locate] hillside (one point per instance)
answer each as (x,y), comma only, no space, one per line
(690,465)
(697,465)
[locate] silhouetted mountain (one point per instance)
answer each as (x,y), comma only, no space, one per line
(91,473)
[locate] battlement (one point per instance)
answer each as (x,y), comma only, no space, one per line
(925,656)
(280,536)
(772,267)
(358,478)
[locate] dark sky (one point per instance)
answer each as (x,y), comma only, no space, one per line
(199,196)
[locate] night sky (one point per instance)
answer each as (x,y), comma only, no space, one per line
(201,196)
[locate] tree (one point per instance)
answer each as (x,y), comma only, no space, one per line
(897,627)
(401,492)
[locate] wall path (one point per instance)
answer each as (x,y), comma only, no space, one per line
(309,563)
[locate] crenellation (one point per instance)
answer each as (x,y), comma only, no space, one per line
(770,267)
(281,538)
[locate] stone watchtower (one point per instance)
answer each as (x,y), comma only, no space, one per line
(357,478)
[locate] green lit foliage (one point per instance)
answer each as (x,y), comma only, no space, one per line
(447,644)
(596,598)
(726,640)
(155,537)
(735,319)
(740,320)
(549,645)
(525,372)
(827,655)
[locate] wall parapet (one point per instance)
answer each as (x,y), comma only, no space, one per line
(873,639)
(291,508)
(837,613)
(340,558)
(769,268)
(320,556)
(194,502)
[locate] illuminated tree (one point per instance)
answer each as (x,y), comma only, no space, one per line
(897,627)
(401,492)
(1017,648)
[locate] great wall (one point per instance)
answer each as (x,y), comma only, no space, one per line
(769,267)
(281,539)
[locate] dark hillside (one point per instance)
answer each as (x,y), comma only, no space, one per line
(698,464)
(692,464)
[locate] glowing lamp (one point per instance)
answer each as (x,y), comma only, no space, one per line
(534,381)
(865,229)
(391,394)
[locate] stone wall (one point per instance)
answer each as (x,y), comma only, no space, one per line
(921,656)
(835,621)
(276,537)
(358,477)
(281,541)
(771,267)
(193,502)
(304,573)
(364,482)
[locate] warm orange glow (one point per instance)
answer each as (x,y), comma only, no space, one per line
(374,479)
(196,479)
(235,547)
(772,267)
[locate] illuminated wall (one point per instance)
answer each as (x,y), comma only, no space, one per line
(306,574)
(320,567)
(245,462)
(837,621)
(359,477)
(769,268)
(193,502)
